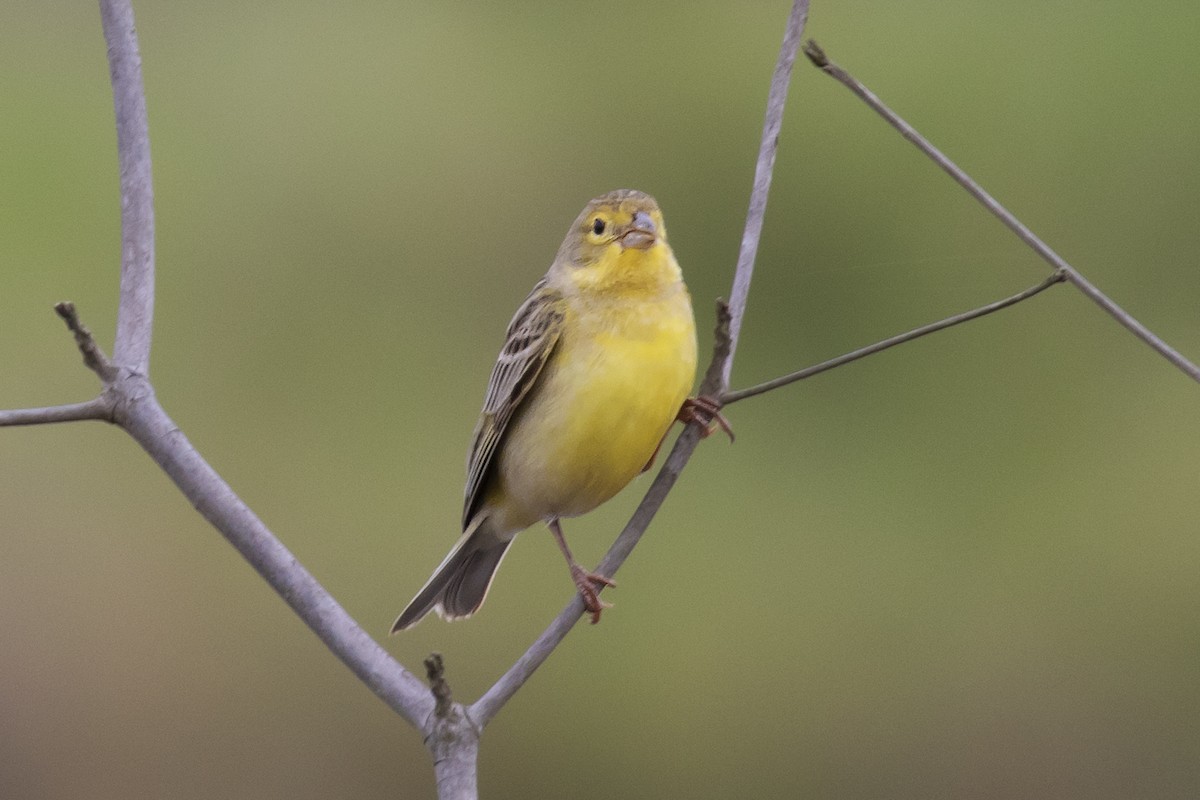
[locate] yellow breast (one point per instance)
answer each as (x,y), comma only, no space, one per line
(607,396)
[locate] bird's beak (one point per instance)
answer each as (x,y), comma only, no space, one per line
(642,233)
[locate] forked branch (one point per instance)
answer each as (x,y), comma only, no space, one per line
(822,62)
(94,359)
(126,387)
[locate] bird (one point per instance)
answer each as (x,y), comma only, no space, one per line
(597,364)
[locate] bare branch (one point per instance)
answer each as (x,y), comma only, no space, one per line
(96,408)
(144,419)
(135,315)
(129,400)
(716,378)
(147,423)
(916,333)
(763,170)
(818,57)
(93,357)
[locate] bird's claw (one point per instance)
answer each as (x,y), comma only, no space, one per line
(589,585)
(706,411)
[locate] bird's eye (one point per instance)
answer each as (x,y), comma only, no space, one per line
(597,226)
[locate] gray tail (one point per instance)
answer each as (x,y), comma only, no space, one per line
(459,585)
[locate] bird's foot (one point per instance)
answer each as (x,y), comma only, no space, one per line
(707,411)
(590,584)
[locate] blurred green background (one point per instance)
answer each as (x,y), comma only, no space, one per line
(967,567)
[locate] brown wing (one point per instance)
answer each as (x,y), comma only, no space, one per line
(530,339)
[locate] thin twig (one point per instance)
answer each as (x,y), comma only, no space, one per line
(96,408)
(435,673)
(93,356)
(135,314)
(818,57)
(916,333)
(729,326)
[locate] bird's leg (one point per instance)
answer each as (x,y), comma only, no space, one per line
(588,583)
(707,411)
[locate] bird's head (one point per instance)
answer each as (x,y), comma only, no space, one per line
(619,240)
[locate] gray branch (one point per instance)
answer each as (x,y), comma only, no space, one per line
(135,315)
(144,419)
(763,170)
(96,408)
(822,62)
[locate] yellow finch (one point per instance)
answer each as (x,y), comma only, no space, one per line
(595,367)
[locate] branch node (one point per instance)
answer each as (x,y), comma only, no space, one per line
(435,671)
(93,357)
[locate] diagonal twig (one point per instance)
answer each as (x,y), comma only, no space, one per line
(729,327)
(892,341)
(822,62)
(93,357)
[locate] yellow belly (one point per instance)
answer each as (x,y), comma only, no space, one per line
(602,405)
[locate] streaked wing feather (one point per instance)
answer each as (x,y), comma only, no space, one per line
(530,339)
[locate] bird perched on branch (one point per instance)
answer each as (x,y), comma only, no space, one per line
(596,365)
